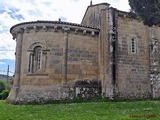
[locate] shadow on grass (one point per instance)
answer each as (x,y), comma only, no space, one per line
(85,100)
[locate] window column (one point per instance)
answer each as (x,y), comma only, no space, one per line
(31,56)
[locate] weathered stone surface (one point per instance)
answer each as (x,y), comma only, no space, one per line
(54,58)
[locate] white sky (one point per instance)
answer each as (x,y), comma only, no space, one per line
(15,11)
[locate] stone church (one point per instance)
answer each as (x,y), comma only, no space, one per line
(110,54)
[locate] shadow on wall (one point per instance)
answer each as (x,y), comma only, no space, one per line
(87,88)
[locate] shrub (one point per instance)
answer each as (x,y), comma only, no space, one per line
(0,96)
(2,86)
(5,94)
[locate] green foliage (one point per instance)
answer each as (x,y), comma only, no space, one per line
(0,96)
(8,85)
(2,86)
(147,10)
(135,110)
(5,94)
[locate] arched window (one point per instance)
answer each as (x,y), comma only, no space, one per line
(38,58)
(133,46)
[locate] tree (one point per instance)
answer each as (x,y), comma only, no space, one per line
(147,10)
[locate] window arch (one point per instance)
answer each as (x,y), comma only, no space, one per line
(37,58)
(133,45)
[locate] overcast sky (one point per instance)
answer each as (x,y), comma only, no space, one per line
(16,11)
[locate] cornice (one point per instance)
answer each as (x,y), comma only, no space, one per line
(52,23)
(55,26)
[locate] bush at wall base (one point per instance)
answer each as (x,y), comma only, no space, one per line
(5,94)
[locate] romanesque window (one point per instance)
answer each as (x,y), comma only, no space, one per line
(35,60)
(38,58)
(133,45)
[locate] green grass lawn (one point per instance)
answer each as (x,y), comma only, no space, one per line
(138,110)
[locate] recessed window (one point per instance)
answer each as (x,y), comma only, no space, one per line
(38,58)
(133,46)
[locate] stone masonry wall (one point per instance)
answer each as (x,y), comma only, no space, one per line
(154,61)
(86,60)
(93,16)
(133,79)
(67,56)
(158,56)
(82,57)
(97,16)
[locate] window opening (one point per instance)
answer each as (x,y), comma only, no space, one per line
(39,59)
(133,46)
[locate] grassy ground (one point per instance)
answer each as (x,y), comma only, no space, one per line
(138,110)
